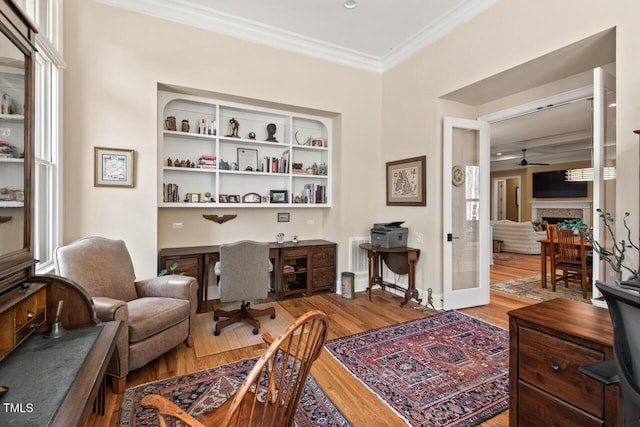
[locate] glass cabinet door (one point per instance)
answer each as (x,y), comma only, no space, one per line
(12,147)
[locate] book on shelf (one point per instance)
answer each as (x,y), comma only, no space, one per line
(288,269)
(315,193)
(170,193)
(207,162)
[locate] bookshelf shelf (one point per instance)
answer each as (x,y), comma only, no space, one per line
(210,122)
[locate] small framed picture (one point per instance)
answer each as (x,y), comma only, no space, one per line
(317,142)
(113,167)
(251,198)
(283,216)
(223,198)
(234,198)
(279,196)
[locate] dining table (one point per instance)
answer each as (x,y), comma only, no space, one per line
(545,252)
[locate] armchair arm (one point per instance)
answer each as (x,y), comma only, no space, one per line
(108,309)
(172,286)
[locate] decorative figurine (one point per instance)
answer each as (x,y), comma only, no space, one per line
(223,165)
(252,135)
(169,162)
(294,240)
(271,131)
(185,125)
(170,123)
(234,126)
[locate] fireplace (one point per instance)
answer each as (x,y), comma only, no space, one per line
(557,211)
(556,219)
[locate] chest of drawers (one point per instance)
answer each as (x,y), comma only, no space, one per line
(548,342)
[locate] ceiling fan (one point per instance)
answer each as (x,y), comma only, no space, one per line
(524,161)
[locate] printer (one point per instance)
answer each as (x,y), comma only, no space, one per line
(389,235)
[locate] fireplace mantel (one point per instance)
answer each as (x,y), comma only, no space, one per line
(585,207)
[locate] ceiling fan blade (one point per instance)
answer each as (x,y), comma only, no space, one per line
(524,161)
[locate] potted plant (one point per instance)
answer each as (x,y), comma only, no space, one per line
(539,224)
(574,224)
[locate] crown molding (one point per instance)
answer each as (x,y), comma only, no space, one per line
(238,27)
(437,30)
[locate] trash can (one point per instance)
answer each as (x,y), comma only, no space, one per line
(348,284)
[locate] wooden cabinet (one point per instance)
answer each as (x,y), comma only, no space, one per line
(307,267)
(21,313)
(212,152)
(548,343)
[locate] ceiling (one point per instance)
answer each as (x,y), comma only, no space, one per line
(378,34)
(375,35)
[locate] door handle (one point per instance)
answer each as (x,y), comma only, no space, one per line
(450,237)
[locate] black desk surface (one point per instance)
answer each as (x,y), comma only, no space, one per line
(39,374)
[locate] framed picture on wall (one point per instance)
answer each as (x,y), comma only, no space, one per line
(113,167)
(406,182)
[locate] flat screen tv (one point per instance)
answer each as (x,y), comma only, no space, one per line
(553,184)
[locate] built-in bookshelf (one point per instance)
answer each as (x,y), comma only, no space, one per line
(215,153)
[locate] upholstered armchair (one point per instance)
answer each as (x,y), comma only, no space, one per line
(157,314)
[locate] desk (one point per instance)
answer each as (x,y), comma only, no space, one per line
(545,252)
(547,343)
(401,260)
(317,257)
(56,381)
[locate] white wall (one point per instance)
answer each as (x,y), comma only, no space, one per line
(116,59)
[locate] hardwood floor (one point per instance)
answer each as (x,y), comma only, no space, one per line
(347,317)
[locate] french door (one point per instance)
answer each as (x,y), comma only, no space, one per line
(466,190)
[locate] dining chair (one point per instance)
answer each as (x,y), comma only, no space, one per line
(572,259)
(270,393)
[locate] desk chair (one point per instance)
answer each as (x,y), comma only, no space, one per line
(568,254)
(244,269)
(271,392)
(624,309)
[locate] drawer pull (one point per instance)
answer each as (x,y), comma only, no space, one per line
(555,367)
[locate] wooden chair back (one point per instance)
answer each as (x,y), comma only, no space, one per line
(568,251)
(271,392)
(166,410)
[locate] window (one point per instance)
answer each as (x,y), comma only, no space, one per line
(47,148)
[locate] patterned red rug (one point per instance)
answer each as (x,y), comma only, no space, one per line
(448,369)
(203,391)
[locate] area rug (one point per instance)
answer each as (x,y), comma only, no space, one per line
(237,335)
(448,369)
(501,256)
(203,391)
(530,287)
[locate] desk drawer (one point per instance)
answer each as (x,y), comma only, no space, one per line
(551,364)
(324,277)
(537,408)
(324,256)
(294,252)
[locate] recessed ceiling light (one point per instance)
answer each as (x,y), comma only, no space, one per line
(350,4)
(498,154)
